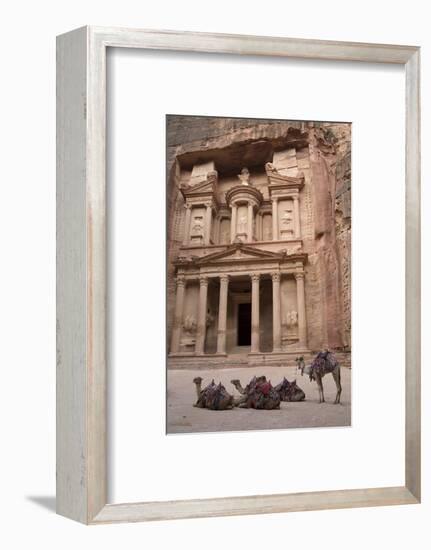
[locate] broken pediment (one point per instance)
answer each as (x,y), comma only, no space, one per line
(203,184)
(275,179)
(205,189)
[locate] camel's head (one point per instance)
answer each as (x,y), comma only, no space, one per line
(197,380)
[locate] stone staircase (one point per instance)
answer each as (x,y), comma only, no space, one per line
(239,360)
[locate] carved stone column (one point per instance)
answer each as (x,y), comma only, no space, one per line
(259,227)
(208,218)
(255,318)
(302,320)
(233,223)
(202,315)
(296,217)
(178,315)
(222,314)
(275,219)
(276,312)
(186,238)
(218,231)
(250,223)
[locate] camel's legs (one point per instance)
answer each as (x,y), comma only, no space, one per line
(337,379)
(238,401)
(320,386)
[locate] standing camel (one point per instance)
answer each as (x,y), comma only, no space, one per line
(324,363)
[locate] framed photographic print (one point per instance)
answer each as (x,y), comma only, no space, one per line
(238,275)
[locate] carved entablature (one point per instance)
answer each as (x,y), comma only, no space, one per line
(280,185)
(242,257)
(202,193)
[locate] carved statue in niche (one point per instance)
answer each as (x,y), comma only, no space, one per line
(189,324)
(242,224)
(198,226)
(292,318)
(244,177)
(287,219)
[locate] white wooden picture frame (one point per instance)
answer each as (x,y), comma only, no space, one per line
(81,274)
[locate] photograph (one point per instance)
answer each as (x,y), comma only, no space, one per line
(213,224)
(258,274)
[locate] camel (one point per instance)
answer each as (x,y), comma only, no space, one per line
(324,363)
(258,394)
(289,391)
(214,396)
(244,391)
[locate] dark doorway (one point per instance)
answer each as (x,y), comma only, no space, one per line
(244,324)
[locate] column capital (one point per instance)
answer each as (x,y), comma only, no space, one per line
(255,277)
(299,275)
(203,280)
(276,276)
(187,206)
(274,199)
(208,204)
(224,278)
(180,280)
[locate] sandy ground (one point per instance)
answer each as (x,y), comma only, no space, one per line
(182,417)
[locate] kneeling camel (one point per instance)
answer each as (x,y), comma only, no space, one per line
(214,396)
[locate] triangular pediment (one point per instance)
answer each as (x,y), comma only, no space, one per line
(283,180)
(202,187)
(280,179)
(238,252)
